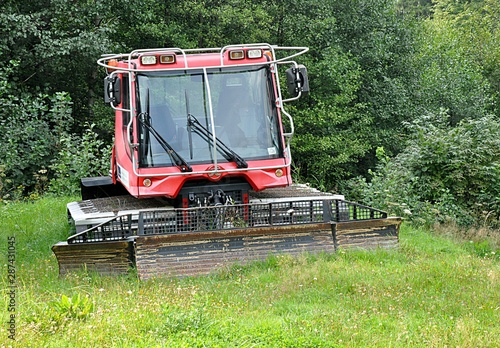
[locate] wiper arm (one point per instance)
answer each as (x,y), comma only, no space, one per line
(190,137)
(229,154)
(176,158)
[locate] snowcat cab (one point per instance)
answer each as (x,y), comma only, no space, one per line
(201,126)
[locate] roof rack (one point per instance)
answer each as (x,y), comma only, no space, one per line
(104,61)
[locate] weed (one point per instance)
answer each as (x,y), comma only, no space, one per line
(77,307)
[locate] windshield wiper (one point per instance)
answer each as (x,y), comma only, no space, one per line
(145,120)
(176,158)
(190,137)
(194,125)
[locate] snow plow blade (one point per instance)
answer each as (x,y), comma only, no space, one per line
(194,241)
(180,255)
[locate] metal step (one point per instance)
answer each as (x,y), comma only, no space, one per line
(89,213)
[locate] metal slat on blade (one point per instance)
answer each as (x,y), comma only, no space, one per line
(370,234)
(105,258)
(161,256)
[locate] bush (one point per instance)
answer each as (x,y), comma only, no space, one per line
(445,174)
(39,151)
(31,126)
(79,157)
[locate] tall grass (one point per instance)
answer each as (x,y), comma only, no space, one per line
(432,292)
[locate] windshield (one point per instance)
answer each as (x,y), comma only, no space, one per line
(235,106)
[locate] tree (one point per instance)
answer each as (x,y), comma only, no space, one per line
(418,8)
(375,67)
(474,26)
(360,71)
(57,44)
(48,76)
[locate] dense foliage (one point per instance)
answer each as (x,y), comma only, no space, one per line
(444,174)
(418,80)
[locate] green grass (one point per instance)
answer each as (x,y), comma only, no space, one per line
(432,292)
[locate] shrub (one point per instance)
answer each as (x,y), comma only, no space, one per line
(31,126)
(79,157)
(445,174)
(39,151)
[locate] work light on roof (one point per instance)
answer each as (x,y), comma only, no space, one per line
(167,59)
(237,54)
(254,53)
(148,60)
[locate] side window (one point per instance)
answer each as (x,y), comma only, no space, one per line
(125,100)
(126,114)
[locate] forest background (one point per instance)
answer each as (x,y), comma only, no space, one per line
(403,114)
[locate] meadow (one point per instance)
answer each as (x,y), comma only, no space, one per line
(433,291)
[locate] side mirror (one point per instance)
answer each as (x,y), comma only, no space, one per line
(297,81)
(112,91)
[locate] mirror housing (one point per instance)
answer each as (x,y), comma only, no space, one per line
(112,90)
(297,80)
